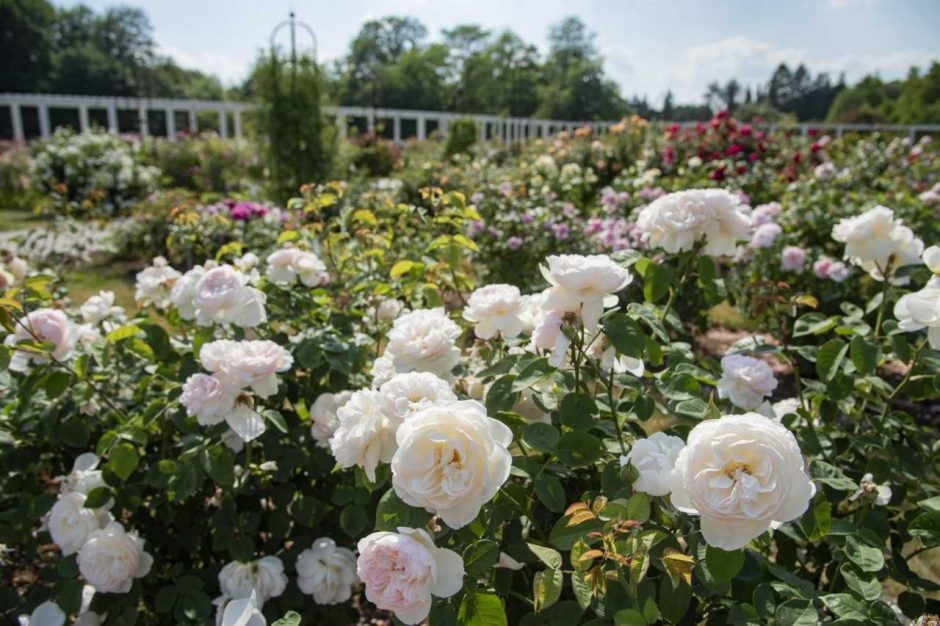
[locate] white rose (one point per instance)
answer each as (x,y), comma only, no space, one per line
(406,394)
(111,559)
(921,309)
(323,421)
(583,283)
(46,614)
(874,239)
(382,371)
(402,570)
(654,458)
(209,398)
(100,307)
(424,341)
(183,294)
(85,475)
(678,220)
(265,577)
(548,335)
(239,611)
(252,364)
(70,523)
(388,309)
(223,296)
(495,309)
(288,265)
(46,325)
(880,494)
(745,381)
(451,460)
(782,408)
(155,283)
(327,572)
(743,474)
(365,435)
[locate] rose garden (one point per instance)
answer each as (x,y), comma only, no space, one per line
(645,373)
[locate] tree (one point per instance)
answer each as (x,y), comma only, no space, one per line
(25,47)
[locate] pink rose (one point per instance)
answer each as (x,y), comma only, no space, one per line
(792,258)
(402,570)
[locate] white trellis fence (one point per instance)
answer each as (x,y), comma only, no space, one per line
(424,122)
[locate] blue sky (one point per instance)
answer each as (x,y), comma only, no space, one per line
(649,45)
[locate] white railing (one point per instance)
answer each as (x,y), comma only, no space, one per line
(488,126)
(507,128)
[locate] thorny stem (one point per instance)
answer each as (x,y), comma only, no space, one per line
(886,278)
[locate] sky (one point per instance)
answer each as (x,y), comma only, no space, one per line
(649,46)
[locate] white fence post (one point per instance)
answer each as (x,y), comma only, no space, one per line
(223,124)
(396,129)
(237,114)
(16,115)
(193,121)
(170,123)
(83,118)
(113,127)
(44,131)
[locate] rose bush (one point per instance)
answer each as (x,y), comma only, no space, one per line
(356,420)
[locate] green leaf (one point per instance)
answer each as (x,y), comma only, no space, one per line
(479,558)
(844,605)
(578,410)
(56,383)
(501,395)
(533,373)
(868,558)
(817,520)
(796,612)
(638,507)
(122,332)
(549,491)
(540,436)
(353,520)
(629,617)
(123,460)
(724,565)
(578,448)
(864,354)
(392,513)
(220,465)
(98,497)
(866,588)
(656,282)
(625,335)
(546,588)
(481,608)
(829,358)
(674,599)
(401,268)
(291,618)
(550,557)
(831,476)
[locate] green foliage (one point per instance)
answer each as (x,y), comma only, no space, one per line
(297,145)
(461,135)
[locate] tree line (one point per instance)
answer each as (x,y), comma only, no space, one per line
(393,63)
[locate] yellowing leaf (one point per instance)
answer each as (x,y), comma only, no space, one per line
(678,565)
(401,268)
(366,216)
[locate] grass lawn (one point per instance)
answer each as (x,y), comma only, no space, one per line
(118,277)
(19,220)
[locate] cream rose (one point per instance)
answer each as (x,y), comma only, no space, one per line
(265,577)
(70,523)
(875,239)
(744,475)
(327,572)
(584,284)
(111,559)
(223,296)
(654,459)
(495,310)
(155,283)
(451,460)
(252,364)
(323,421)
(746,381)
(406,394)
(678,220)
(365,436)
(402,570)
(424,341)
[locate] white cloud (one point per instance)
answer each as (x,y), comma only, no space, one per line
(688,72)
(227,68)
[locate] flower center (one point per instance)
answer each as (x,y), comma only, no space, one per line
(734,470)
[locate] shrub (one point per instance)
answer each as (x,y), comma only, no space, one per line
(462,134)
(91,173)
